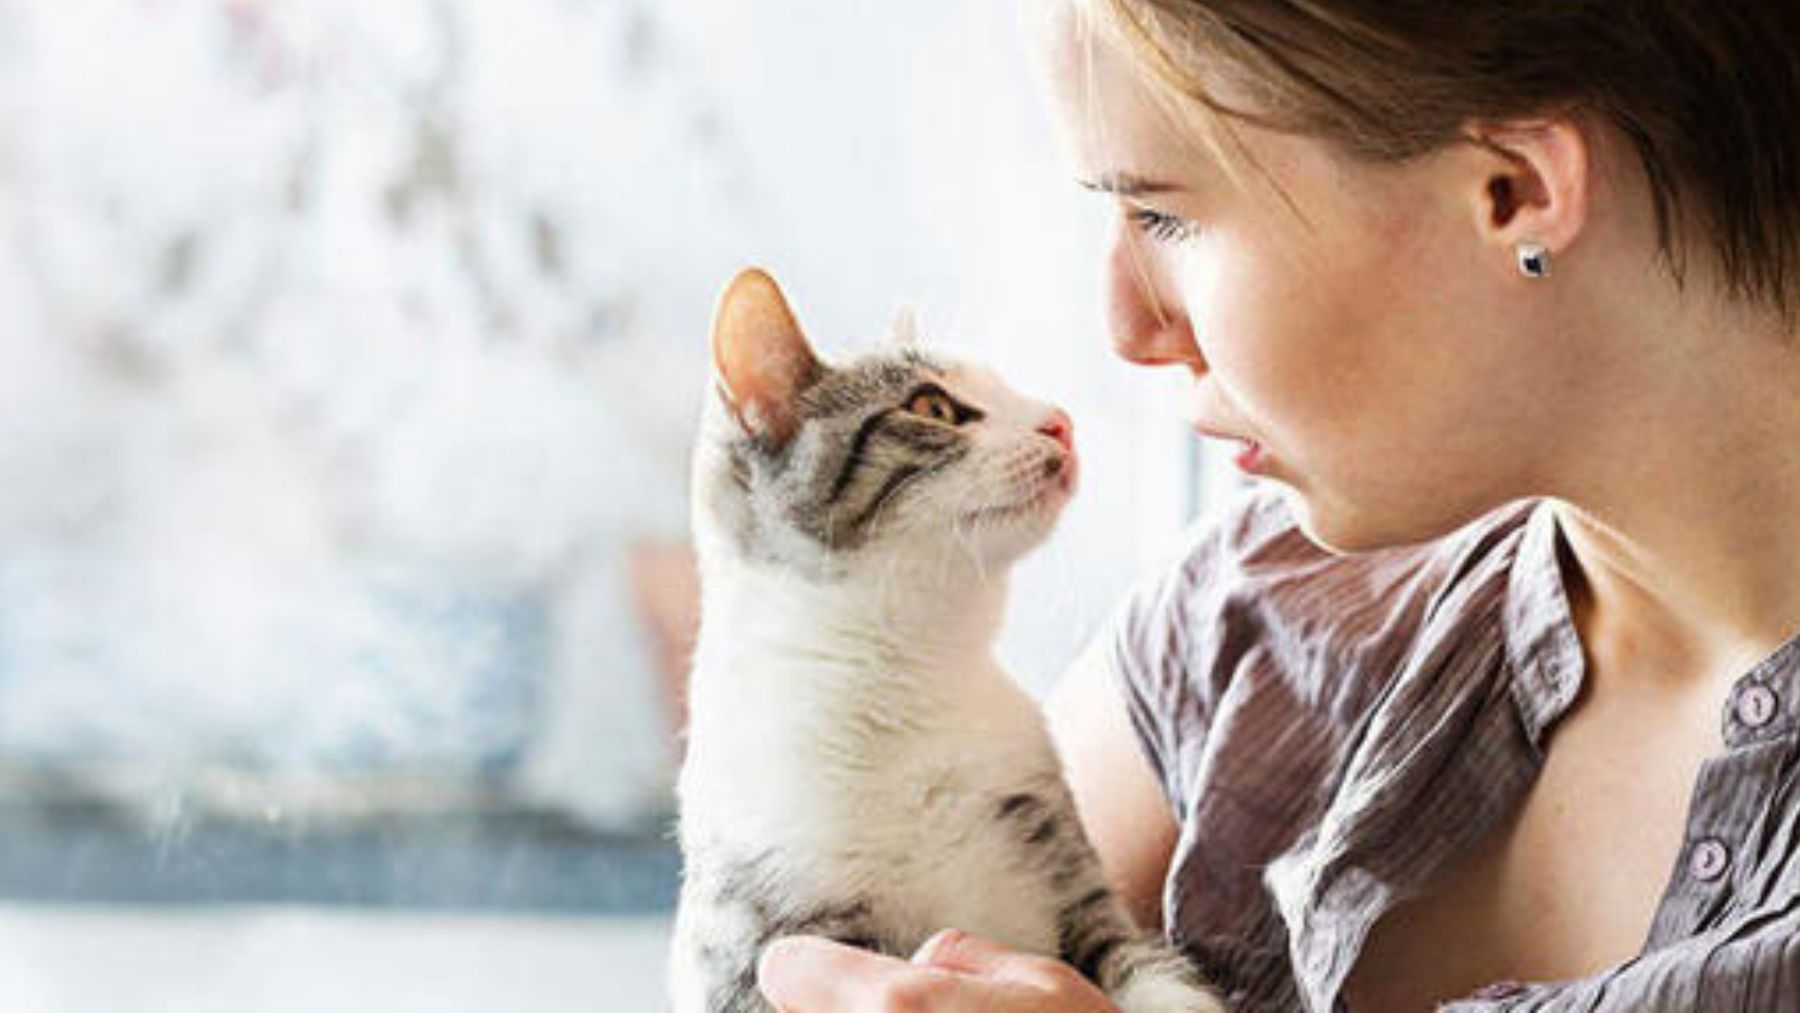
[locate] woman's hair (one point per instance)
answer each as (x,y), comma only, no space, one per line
(1706,91)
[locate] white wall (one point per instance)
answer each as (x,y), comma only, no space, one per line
(303,302)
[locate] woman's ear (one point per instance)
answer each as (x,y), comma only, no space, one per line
(761,360)
(1537,183)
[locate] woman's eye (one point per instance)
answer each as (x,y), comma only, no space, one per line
(934,404)
(1159,226)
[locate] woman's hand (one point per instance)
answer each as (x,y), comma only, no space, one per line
(952,973)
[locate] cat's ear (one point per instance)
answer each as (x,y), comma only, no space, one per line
(904,332)
(761,359)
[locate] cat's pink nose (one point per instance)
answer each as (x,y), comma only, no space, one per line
(1059,427)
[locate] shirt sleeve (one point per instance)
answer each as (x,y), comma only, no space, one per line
(1146,663)
(1161,631)
(1753,965)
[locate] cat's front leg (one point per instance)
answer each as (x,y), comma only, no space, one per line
(1095,933)
(712,961)
(1139,974)
(730,909)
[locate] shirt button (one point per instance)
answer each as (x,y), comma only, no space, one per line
(1709,860)
(1756,705)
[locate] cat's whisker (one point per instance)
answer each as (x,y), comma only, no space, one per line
(962,519)
(959,531)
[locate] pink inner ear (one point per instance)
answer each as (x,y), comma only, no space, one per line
(762,358)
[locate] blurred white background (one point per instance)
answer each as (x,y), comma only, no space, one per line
(349,353)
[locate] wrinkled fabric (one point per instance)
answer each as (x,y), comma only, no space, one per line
(1330,730)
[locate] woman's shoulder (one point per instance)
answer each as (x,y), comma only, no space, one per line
(1249,592)
(1254,548)
(1254,634)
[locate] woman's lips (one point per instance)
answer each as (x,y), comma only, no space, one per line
(1251,457)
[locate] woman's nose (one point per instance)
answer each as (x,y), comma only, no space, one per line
(1148,327)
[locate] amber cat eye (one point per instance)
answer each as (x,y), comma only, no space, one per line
(935,404)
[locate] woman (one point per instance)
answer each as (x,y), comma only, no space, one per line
(1491,695)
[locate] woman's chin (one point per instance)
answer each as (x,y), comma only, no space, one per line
(1344,528)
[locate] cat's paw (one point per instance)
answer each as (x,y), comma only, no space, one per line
(1155,992)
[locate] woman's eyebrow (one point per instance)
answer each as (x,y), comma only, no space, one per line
(1124,184)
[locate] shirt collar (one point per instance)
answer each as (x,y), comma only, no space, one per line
(1541,643)
(1549,667)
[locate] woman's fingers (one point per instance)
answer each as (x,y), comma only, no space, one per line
(800,974)
(807,974)
(953,972)
(956,950)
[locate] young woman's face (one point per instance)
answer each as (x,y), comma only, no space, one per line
(1357,336)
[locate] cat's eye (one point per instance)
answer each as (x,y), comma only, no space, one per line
(933,403)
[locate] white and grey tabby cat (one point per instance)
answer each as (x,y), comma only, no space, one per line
(858,766)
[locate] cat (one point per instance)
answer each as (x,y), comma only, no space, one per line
(858,766)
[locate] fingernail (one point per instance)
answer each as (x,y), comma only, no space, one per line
(939,946)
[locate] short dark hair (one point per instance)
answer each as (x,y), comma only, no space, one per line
(1706,91)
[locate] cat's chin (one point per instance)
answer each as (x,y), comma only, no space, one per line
(1041,507)
(1010,530)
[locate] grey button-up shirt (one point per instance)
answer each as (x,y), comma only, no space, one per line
(1330,730)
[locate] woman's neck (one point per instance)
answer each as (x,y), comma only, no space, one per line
(1683,517)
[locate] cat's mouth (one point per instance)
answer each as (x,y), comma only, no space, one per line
(1051,494)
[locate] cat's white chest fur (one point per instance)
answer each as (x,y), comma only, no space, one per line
(874,774)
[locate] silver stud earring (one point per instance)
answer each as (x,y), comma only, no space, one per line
(1534,259)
